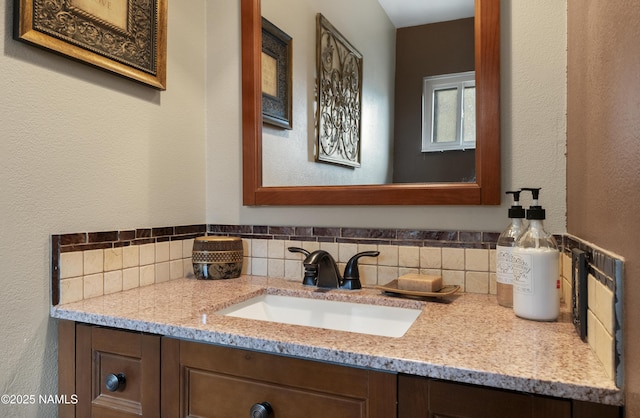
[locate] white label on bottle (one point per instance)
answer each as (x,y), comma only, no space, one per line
(535,283)
(522,277)
(504,264)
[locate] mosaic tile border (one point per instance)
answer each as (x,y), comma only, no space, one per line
(602,265)
(404,237)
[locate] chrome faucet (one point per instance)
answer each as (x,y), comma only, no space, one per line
(321,269)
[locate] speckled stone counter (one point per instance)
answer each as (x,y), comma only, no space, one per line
(470,340)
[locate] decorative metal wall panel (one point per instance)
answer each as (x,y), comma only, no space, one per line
(339,97)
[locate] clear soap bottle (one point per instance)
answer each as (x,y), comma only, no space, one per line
(504,251)
(536,269)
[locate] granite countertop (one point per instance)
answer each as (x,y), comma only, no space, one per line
(471,339)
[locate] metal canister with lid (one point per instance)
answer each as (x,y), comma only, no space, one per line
(217,257)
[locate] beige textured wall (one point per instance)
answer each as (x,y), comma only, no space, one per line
(533,59)
(603,149)
(83,150)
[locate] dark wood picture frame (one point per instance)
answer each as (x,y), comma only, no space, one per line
(277,50)
(485,191)
(125,37)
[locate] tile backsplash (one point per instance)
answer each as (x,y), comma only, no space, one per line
(605,295)
(462,258)
(467,267)
(90,264)
(85,274)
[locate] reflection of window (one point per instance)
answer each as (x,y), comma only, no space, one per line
(449,112)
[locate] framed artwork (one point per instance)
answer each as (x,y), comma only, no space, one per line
(276,76)
(339,97)
(126,37)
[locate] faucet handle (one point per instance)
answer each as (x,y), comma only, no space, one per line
(352,274)
(310,271)
(298,250)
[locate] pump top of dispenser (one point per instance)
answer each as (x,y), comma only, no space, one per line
(516,211)
(535,211)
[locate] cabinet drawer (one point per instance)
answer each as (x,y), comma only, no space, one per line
(222,382)
(117,373)
(217,395)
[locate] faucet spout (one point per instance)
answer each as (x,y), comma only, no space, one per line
(321,265)
(321,269)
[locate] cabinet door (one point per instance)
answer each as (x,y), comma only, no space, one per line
(221,382)
(458,400)
(421,398)
(103,354)
(583,409)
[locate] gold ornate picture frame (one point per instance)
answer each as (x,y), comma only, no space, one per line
(126,37)
(339,97)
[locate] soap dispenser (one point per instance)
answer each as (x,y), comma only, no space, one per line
(536,269)
(504,251)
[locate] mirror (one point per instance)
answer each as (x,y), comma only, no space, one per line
(486,188)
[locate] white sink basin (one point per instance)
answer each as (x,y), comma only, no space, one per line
(362,318)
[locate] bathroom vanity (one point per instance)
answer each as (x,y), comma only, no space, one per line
(163,350)
(207,380)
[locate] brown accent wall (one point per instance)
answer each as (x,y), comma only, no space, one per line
(603,149)
(421,51)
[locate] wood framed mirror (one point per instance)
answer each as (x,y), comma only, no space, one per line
(484,191)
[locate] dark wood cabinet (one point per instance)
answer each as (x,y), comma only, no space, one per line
(420,397)
(595,410)
(457,400)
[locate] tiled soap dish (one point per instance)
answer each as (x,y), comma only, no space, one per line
(392,287)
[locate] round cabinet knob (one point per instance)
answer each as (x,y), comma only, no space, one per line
(114,382)
(261,410)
